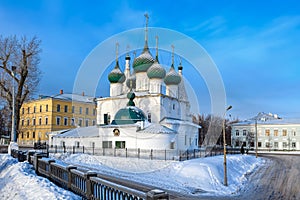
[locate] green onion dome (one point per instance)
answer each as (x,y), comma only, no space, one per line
(131,81)
(143,62)
(172,77)
(116,75)
(156,71)
(129,115)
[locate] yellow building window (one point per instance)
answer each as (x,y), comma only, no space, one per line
(284,132)
(267,132)
(275,132)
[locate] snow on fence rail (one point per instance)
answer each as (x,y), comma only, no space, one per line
(84,182)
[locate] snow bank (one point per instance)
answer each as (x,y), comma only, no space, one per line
(192,177)
(18,181)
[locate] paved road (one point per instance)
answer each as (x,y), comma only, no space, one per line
(278,179)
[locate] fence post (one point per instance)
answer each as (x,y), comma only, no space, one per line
(126,152)
(82,149)
(194,153)
(49,167)
(179,155)
(157,194)
(73,149)
(47,150)
(115,152)
(165,154)
(93,149)
(89,190)
(151,154)
(55,148)
(36,162)
(138,152)
(70,175)
(64,149)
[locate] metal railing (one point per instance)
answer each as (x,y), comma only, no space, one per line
(86,183)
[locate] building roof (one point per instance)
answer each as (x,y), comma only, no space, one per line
(129,115)
(74,97)
(157,129)
(90,131)
(172,77)
(174,121)
(267,119)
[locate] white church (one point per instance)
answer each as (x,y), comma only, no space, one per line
(148,108)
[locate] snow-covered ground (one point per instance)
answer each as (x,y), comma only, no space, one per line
(193,177)
(202,176)
(18,181)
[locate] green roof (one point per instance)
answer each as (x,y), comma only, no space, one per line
(129,115)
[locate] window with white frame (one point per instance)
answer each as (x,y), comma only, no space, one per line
(73,122)
(58,121)
(65,121)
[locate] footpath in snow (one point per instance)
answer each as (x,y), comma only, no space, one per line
(203,176)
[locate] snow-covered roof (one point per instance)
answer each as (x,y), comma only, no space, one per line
(90,131)
(57,132)
(74,97)
(178,122)
(182,91)
(269,122)
(157,128)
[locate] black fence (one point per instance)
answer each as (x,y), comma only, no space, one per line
(87,184)
(145,153)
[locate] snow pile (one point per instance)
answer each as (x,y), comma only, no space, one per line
(192,177)
(18,181)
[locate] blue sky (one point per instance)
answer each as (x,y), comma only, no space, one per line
(255,44)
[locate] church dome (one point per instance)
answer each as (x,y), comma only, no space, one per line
(129,115)
(131,81)
(143,62)
(156,71)
(116,75)
(172,77)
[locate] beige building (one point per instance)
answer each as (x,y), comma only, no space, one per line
(273,133)
(53,113)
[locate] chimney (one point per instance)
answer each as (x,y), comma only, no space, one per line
(61,92)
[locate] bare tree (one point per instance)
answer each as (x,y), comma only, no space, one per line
(23,55)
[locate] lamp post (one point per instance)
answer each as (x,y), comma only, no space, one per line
(256,139)
(224,144)
(13,135)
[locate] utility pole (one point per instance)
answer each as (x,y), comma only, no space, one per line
(224,141)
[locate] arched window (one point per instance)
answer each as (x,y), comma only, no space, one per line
(149,117)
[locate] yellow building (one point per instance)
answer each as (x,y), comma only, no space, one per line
(53,113)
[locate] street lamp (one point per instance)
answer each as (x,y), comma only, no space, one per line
(256,138)
(13,135)
(224,144)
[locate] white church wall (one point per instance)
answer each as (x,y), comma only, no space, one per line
(142,81)
(135,140)
(170,108)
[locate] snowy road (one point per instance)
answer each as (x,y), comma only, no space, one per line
(278,179)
